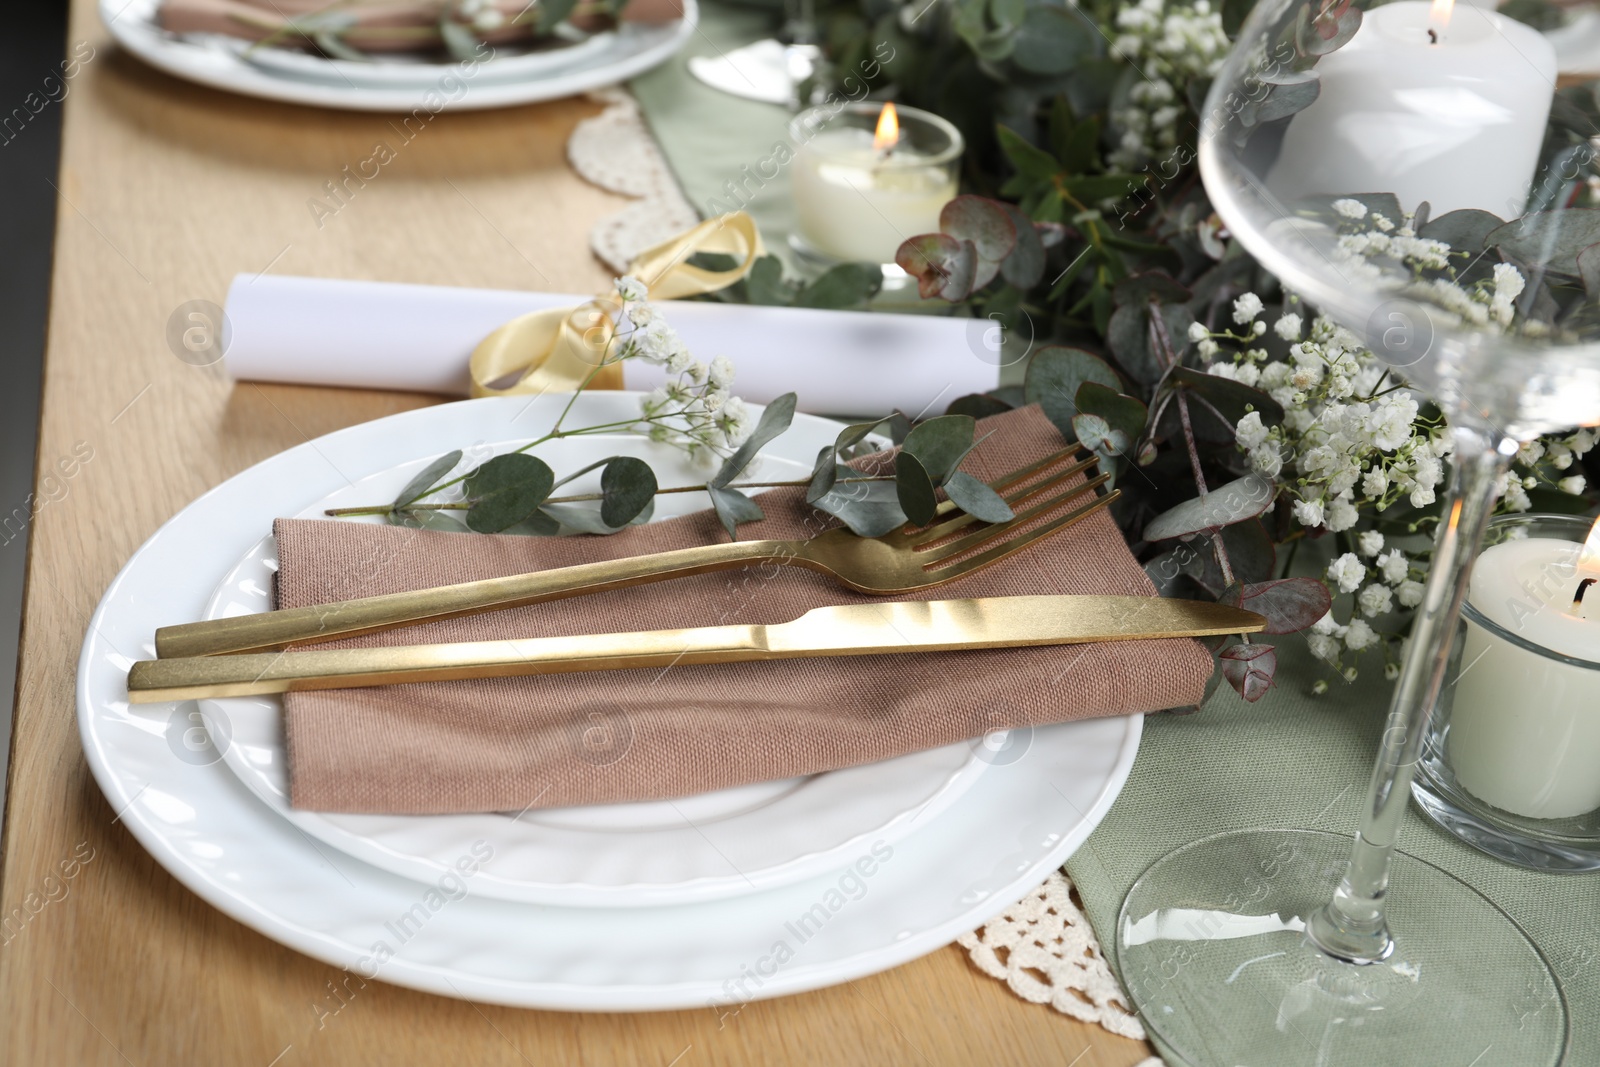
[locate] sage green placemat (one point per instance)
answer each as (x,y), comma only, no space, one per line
(1297,760)
(721,147)
(1290,760)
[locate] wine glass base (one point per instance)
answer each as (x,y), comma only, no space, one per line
(1212,950)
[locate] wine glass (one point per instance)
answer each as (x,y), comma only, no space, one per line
(1328,129)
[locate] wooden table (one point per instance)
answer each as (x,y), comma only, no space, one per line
(166,191)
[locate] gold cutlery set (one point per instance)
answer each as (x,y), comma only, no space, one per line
(245,655)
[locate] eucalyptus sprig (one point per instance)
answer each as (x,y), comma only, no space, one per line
(695,411)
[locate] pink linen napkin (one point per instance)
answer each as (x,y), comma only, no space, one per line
(510,743)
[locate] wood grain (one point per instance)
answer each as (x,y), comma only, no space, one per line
(166,191)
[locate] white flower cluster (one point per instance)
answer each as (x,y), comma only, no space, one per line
(1171,43)
(1352,443)
(696,409)
(1491,301)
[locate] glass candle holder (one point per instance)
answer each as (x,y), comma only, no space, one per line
(1511,764)
(860,191)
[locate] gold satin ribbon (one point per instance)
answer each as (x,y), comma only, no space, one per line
(558,350)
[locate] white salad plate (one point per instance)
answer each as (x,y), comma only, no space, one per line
(390,85)
(882,902)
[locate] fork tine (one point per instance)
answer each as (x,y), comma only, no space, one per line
(1010,478)
(928,534)
(922,539)
(988,533)
(1016,544)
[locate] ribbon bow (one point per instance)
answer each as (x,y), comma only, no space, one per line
(561,349)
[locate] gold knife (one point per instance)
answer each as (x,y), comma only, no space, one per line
(846,630)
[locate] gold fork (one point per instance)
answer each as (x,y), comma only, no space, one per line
(902,561)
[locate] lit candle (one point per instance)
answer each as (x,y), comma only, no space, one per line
(865,180)
(1427,105)
(1525,726)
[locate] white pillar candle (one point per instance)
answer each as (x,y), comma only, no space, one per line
(1457,122)
(856,200)
(1525,727)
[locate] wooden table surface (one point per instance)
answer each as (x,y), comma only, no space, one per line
(166,191)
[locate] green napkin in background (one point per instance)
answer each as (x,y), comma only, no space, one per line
(1290,760)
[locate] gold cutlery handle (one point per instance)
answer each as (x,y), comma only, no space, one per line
(274,630)
(842,630)
(281,672)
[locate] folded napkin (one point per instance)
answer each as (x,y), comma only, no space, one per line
(504,744)
(382,335)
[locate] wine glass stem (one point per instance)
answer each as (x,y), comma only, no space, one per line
(1352,926)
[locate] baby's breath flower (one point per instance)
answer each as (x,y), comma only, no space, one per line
(1370,543)
(1246,308)
(1350,209)
(631,288)
(1375,600)
(1347,572)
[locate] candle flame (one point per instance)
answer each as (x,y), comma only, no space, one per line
(888,132)
(1590,556)
(1439,16)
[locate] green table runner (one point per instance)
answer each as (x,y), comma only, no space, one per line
(1291,760)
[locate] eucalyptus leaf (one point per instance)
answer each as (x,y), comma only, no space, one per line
(1139,288)
(1233,399)
(1238,500)
(1052,40)
(1025,265)
(627,487)
(431,475)
(1287,98)
(846,285)
(1249,668)
(428,519)
(985,223)
(940,444)
(1108,421)
(732,508)
(1464,230)
(765,284)
(1095,433)
(978,406)
(1318,37)
(977,499)
(824,475)
(1289,605)
(1552,239)
(1054,376)
(507,489)
(334,46)
(774,420)
(943,266)
(914,489)
(537,525)
(577,517)
(458,40)
(870,509)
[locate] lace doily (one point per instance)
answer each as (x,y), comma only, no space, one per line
(1043,948)
(615,151)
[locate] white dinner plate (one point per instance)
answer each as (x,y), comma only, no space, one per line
(888,903)
(615,855)
(404,70)
(630,50)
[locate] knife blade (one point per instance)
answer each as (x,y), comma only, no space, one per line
(880,628)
